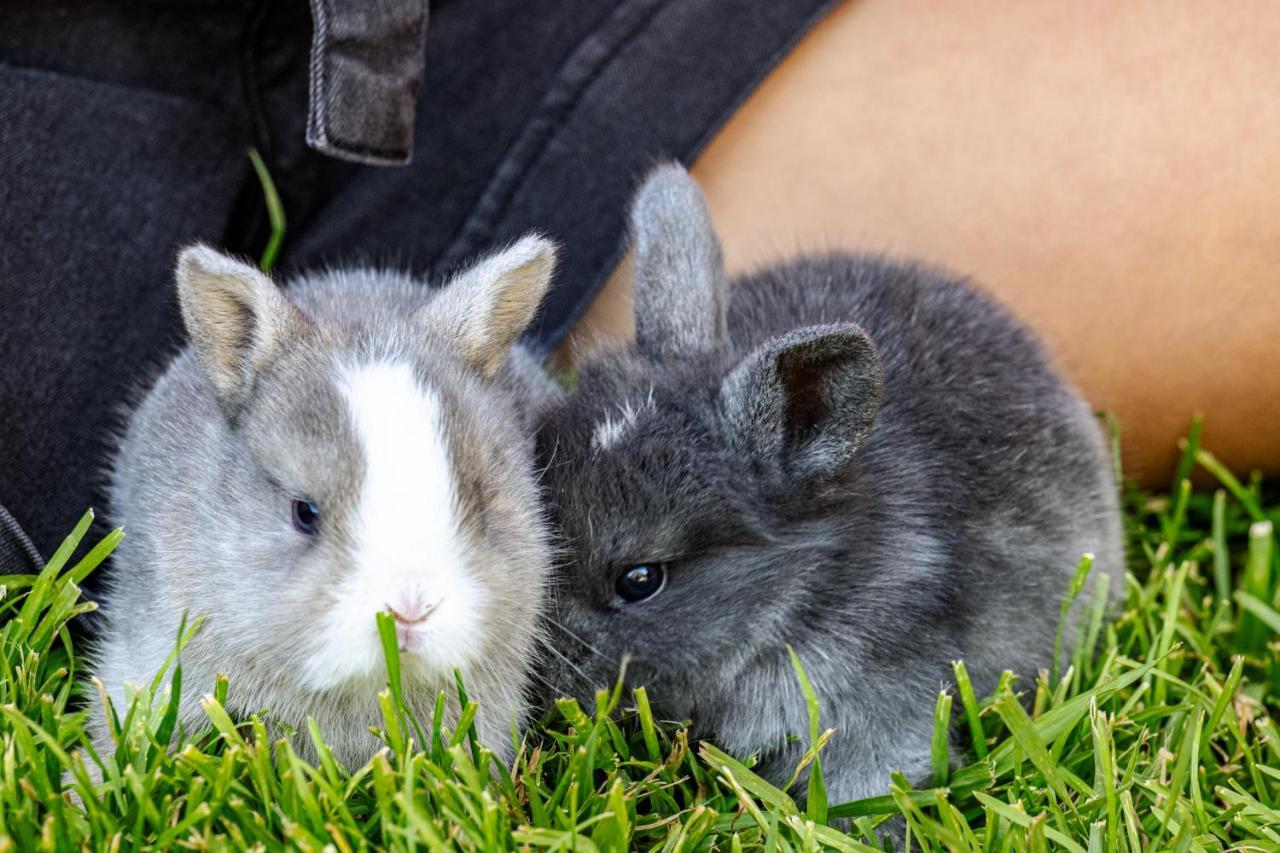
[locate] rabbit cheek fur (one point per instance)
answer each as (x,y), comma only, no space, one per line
(372,397)
(885,497)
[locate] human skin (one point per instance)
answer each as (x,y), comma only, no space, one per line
(1108,170)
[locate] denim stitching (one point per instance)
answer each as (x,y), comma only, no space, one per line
(573,85)
(317,93)
(563,98)
(14,538)
(551,337)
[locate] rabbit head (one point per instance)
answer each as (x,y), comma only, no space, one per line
(686,473)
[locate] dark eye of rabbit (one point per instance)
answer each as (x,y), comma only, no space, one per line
(640,582)
(306,516)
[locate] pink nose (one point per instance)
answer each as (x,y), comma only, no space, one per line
(412,612)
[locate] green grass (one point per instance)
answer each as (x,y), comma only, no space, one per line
(275,212)
(1164,738)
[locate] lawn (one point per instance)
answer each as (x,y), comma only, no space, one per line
(1161,734)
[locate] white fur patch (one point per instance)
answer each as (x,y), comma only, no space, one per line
(406,548)
(609,432)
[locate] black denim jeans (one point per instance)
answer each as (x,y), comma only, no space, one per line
(123,135)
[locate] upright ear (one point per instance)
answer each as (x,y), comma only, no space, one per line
(488,306)
(680,289)
(235,316)
(805,401)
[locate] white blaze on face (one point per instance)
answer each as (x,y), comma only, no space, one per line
(406,550)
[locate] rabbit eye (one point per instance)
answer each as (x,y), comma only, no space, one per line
(640,582)
(306,516)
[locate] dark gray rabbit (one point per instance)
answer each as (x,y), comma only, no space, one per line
(865,459)
(347,446)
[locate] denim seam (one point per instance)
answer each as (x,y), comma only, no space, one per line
(589,293)
(9,526)
(249,83)
(316,106)
(572,86)
(565,95)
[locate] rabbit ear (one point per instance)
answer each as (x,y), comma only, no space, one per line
(235,316)
(805,401)
(485,308)
(680,289)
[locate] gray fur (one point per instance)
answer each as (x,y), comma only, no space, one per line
(884,509)
(248,417)
(680,283)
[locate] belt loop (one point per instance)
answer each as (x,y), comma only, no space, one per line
(367,60)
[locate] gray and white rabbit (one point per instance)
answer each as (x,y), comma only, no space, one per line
(865,459)
(317,455)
